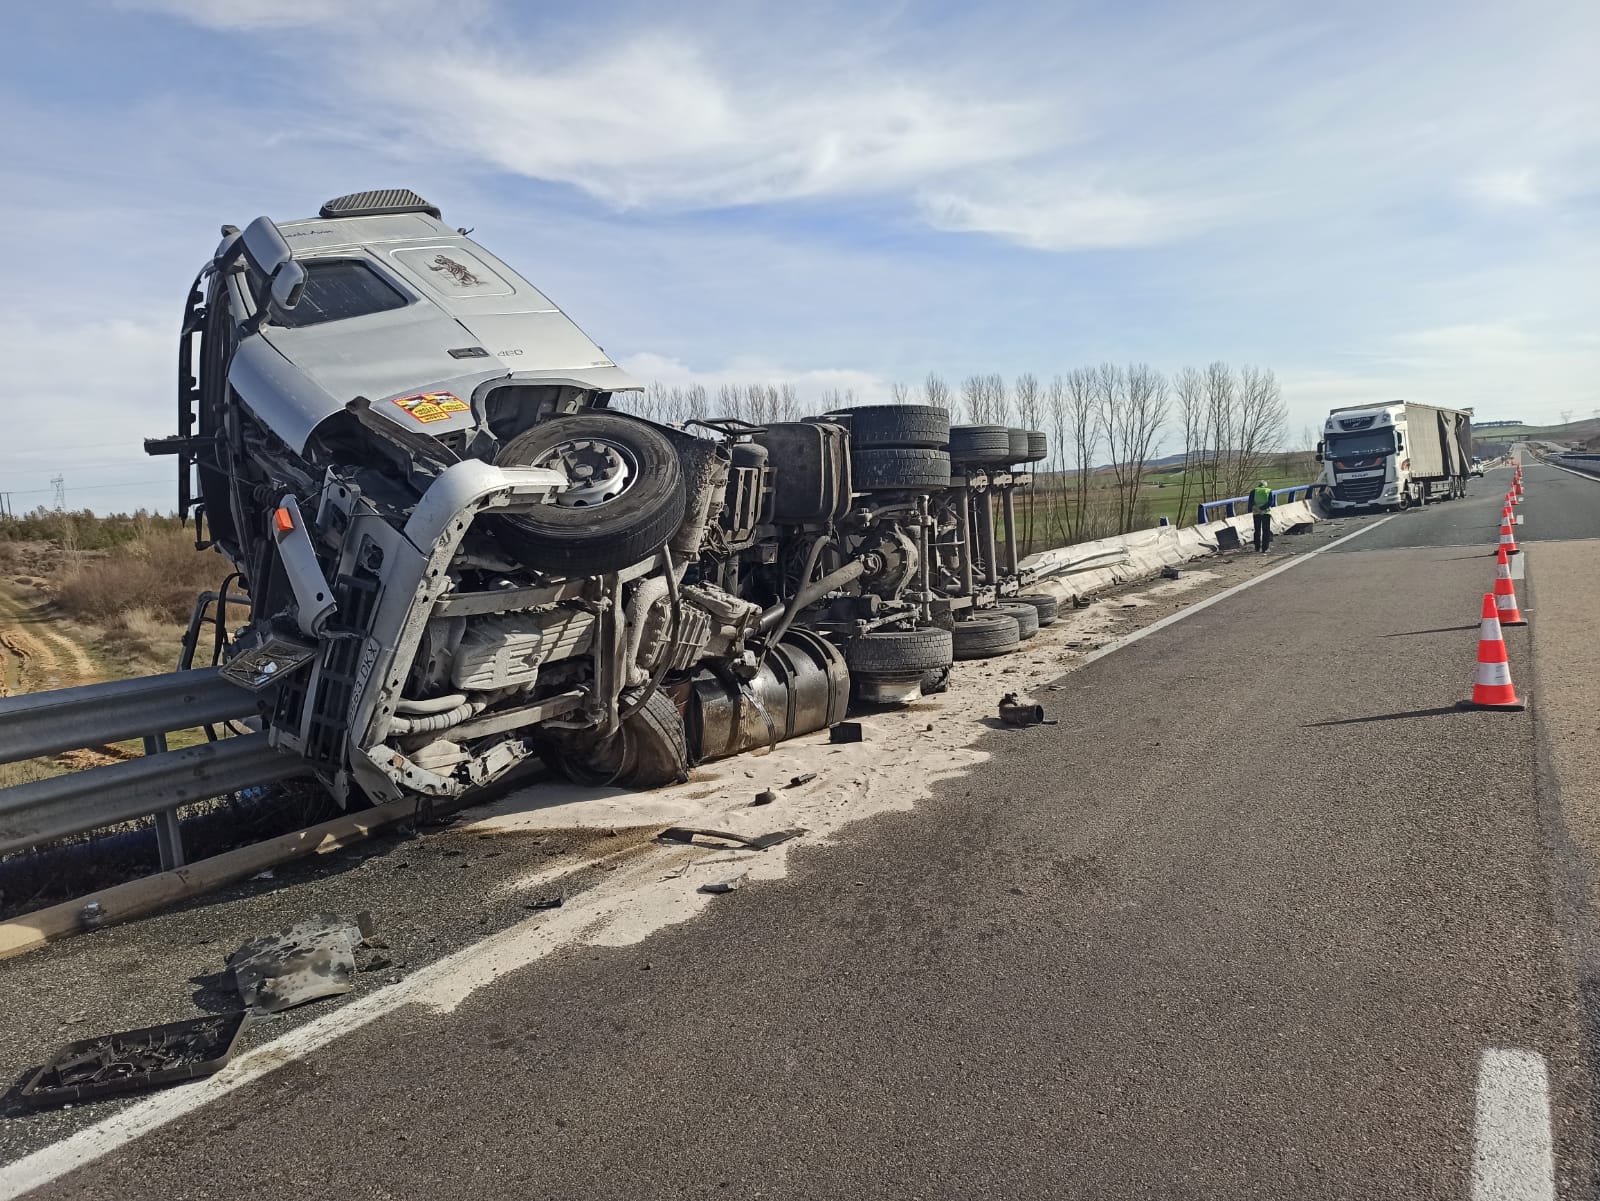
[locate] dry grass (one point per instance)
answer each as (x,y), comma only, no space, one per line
(152,579)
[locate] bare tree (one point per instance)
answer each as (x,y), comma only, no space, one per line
(1148,402)
(975,398)
(1260,427)
(899,394)
(1029,413)
(788,404)
(996,403)
(1085,432)
(1189,386)
(1057,424)
(937,391)
(1221,419)
(832,399)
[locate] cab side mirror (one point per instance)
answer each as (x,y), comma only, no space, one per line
(1319,452)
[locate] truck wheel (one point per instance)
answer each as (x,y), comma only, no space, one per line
(884,470)
(897,652)
(1038,447)
(1046,605)
(936,680)
(626,500)
(988,444)
(1020,443)
(986,635)
(1024,614)
(649,751)
(924,427)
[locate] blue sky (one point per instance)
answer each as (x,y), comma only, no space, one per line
(1373,200)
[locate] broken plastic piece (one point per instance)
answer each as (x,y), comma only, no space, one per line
(134,1060)
(765,797)
(730,884)
(282,520)
(804,778)
(846,731)
(552,902)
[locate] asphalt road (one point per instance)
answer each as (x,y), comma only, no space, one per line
(1244,924)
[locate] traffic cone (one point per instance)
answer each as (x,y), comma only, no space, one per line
(1508,540)
(1516,489)
(1491,686)
(1505,595)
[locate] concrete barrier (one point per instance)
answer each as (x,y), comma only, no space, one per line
(1073,571)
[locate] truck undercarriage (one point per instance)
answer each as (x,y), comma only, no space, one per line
(460,558)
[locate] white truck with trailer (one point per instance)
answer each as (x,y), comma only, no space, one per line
(1394,455)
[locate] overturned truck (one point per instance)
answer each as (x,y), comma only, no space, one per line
(461,559)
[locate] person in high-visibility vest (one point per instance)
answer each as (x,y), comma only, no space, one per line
(1261,506)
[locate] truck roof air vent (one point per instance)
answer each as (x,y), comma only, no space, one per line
(382,203)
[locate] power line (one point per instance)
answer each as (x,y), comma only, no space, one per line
(88,487)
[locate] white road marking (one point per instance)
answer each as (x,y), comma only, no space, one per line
(436,986)
(1519,566)
(1512,1154)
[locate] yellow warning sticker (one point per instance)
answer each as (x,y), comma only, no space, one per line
(432,406)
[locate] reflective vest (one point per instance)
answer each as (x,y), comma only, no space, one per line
(1261,498)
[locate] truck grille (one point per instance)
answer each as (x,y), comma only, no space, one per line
(1359,491)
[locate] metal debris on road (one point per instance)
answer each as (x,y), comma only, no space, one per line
(1170,573)
(92,915)
(133,1061)
(728,884)
(1020,711)
(797,781)
(760,842)
(551,902)
(765,797)
(310,960)
(847,731)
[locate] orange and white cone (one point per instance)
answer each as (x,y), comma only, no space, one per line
(1505,595)
(1508,540)
(1491,686)
(1516,491)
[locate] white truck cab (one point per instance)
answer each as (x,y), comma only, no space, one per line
(1394,455)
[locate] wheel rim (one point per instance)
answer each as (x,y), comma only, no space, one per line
(599,470)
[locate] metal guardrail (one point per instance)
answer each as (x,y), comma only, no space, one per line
(42,811)
(1237,504)
(1588,464)
(45,723)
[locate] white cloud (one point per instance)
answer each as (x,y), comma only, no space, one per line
(1510,188)
(1054,213)
(657,122)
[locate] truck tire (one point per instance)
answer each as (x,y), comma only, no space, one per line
(885,470)
(985,635)
(1024,614)
(1044,603)
(985,444)
(1021,444)
(594,533)
(922,427)
(936,680)
(900,652)
(1038,447)
(649,751)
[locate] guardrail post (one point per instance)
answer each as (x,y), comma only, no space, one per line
(1231,513)
(169,832)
